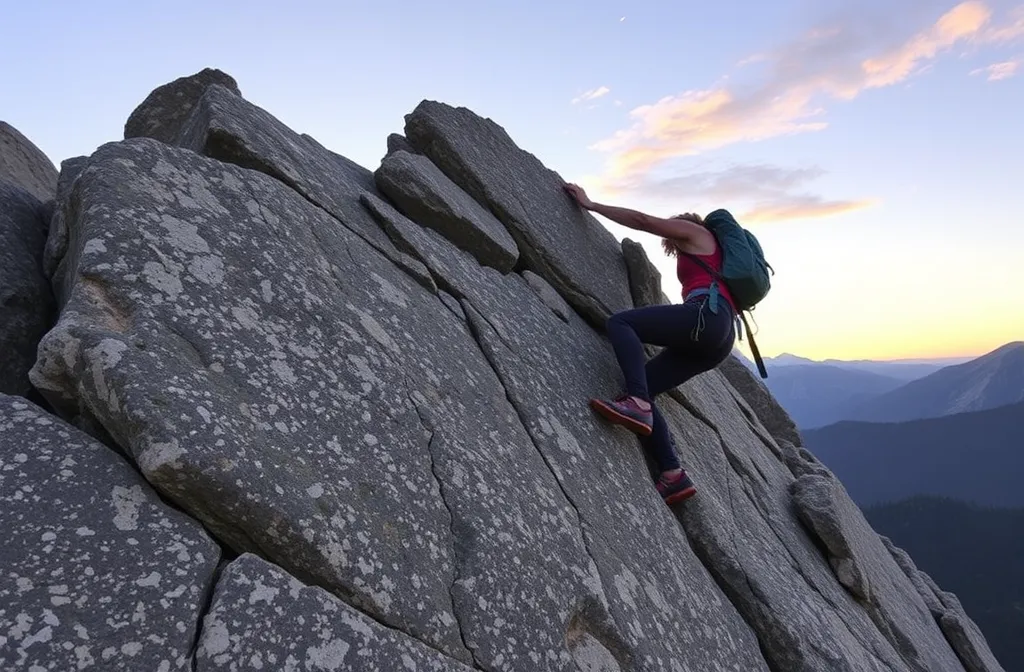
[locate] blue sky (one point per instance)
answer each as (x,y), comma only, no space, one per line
(875,148)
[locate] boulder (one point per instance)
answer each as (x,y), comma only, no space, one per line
(98,572)
(263,618)
(398,143)
(644,278)
(268,372)
(24,165)
(164,111)
(556,239)
(27,307)
(57,236)
(423,193)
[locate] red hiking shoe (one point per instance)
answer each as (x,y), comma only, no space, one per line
(625,411)
(676,489)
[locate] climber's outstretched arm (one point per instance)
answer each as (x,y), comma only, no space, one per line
(678,229)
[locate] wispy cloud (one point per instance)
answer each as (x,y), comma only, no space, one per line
(592,94)
(770,193)
(998,71)
(832,62)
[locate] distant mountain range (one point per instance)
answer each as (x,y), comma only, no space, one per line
(990,381)
(975,457)
(817,394)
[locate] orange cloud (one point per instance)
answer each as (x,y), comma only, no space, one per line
(830,61)
(963,21)
(806,207)
(998,71)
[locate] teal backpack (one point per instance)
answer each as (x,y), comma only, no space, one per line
(745,272)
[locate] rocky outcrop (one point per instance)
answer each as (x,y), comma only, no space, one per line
(644,278)
(263,618)
(422,192)
(479,156)
(98,572)
(26,302)
(24,165)
(161,115)
(381,418)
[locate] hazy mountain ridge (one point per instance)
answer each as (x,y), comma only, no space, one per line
(992,380)
(975,457)
(819,393)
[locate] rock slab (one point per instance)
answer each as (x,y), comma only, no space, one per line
(866,567)
(98,573)
(25,165)
(424,194)
(262,618)
(164,111)
(557,240)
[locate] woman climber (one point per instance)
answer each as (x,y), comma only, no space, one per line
(697,335)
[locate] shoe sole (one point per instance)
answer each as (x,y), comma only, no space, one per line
(681,495)
(629,423)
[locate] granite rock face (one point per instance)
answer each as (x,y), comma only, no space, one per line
(263,618)
(374,399)
(98,573)
(24,165)
(422,192)
(27,307)
(644,278)
(479,156)
(161,115)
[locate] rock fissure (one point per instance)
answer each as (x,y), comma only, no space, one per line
(579,520)
(206,603)
(441,487)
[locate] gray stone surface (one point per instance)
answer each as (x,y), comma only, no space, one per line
(227,127)
(397,143)
(290,387)
(424,194)
(396,437)
(557,240)
(27,308)
(644,278)
(262,618)
(742,526)
(25,165)
(165,110)
(775,418)
(863,563)
(549,367)
(551,298)
(95,571)
(57,236)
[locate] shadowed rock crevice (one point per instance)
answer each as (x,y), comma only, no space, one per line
(428,429)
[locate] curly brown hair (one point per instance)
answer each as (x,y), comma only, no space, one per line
(673,247)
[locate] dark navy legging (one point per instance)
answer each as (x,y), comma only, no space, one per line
(695,340)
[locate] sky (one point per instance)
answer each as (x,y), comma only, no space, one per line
(875,148)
